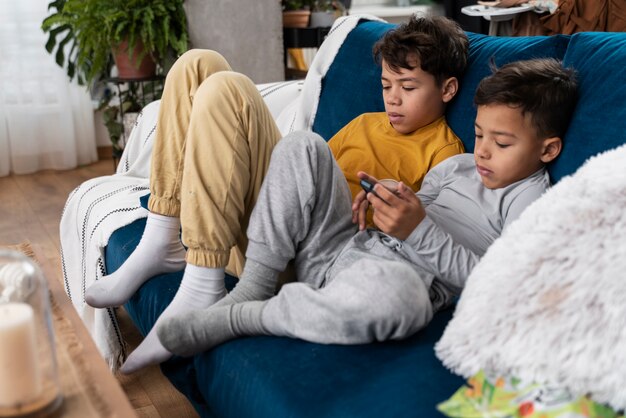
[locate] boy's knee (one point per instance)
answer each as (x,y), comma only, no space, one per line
(229,80)
(225,87)
(399,304)
(197,54)
(198,59)
(307,143)
(412,309)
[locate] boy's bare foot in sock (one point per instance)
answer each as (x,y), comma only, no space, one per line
(159,251)
(200,288)
(235,315)
(197,331)
(257,282)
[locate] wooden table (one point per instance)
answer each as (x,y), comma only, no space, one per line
(88,387)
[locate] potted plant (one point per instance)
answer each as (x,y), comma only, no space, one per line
(120,110)
(322,13)
(83,33)
(296,13)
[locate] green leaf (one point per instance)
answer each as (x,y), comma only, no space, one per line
(81,33)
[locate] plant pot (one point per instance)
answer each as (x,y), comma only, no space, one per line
(127,67)
(296,18)
(322,19)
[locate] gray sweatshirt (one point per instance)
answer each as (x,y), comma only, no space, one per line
(464,218)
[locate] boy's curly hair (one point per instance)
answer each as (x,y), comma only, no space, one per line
(436,44)
(541,87)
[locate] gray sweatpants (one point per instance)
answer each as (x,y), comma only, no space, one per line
(352,287)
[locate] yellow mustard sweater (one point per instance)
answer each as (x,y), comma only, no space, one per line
(369,143)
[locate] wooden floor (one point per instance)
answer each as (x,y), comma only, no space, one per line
(30,209)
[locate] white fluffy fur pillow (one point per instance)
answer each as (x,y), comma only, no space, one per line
(548,300)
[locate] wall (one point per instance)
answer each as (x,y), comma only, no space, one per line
(247,32)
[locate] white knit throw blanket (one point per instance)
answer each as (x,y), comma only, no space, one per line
(102,205)
(93,211)
(548,300)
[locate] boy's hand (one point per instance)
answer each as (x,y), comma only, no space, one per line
(359,209)
(399,213)
(360,203)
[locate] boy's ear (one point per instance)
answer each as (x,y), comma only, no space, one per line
(551,149)
(449,89)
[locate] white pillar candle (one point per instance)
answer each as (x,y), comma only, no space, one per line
(20,376)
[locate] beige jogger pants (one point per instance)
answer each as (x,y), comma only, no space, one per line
(213,143)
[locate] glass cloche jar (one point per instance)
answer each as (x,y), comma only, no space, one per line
(29,385)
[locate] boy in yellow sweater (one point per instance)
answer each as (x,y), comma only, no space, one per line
(214,140)
(422,62)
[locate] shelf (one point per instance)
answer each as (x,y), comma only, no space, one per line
(304,37)
(397,14)
(301,38)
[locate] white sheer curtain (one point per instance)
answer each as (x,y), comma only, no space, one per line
(45,122)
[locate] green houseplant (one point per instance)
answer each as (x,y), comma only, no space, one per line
(322,13)
(322,5)
(83,34)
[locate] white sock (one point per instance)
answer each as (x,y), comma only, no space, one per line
(159,251)
(200,288)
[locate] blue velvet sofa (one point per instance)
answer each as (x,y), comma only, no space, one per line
(281,377)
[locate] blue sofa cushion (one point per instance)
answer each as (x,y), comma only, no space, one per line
(461,112)
(351,86)
(280,377)
(600,116)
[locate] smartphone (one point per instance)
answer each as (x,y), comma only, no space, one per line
(369,188)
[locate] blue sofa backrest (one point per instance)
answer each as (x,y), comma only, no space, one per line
(352,86)
(599,121)
(461,112)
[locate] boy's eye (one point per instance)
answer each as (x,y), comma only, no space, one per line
(406,88)
(478,136)
(501,145)
(386,87)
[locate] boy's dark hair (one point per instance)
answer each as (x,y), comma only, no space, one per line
(438,43)
(541,87)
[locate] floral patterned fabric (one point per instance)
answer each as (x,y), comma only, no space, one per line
(496,397)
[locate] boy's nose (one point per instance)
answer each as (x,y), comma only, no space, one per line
(481,151)
(393,97)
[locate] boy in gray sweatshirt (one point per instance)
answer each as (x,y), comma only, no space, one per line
(357,285)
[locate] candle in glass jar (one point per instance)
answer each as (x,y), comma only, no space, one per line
(20,376)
